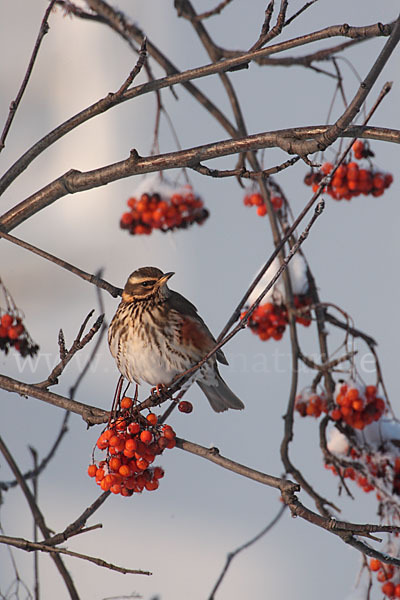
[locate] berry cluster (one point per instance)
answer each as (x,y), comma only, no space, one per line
(255,199)
(13,334)
(163,211)
(357,407)
(379,465)
(350,473)
(269,320)
(131,446)
(388,575)
(349,179)
(310,404)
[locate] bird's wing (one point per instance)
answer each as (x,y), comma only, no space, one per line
(194,330)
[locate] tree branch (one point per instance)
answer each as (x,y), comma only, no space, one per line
(39,519)
(44,28)
(55,552)
(75,181)
(90,414)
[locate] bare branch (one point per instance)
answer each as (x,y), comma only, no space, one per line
(77,526)
(322,142)
(90,414)
(249,543)
(127,30)
(75,181)
(55,552)
(77,345)
(266,34)
(6,485)
(214,11)
(44,28)
(135,71)
(242,172)
(100,283)
(39,518)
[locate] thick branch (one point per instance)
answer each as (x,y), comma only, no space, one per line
(75,181)
(128,30)
(321,142)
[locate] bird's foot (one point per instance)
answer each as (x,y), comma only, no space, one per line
(160,393)
(158,390)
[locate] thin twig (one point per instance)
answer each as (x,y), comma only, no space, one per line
(6,485)
(214,11)
(35,527)
(77,526)
(242,172)
(77,345)
(28,546)
(101,283)
(39,518)
(127,30)
(244,546)
(44,28)
(299,12)
(95,349)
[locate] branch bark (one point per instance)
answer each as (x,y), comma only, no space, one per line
(75,181)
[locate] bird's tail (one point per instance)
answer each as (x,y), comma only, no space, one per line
(220,396)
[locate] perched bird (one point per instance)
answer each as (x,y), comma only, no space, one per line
(156,334)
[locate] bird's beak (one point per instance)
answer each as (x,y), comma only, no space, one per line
(163,280)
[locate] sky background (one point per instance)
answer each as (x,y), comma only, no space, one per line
(183,531)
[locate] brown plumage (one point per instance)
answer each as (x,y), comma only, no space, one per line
(156,334)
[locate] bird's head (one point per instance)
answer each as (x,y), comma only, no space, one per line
(146,282)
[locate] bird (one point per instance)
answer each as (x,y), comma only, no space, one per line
(156,334)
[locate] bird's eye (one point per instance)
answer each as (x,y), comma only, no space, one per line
(147,283)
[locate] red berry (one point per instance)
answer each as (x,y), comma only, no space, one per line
(185,406)
(326,168)
(388,589)
(126,402)
(6,320)
(158,473)
(375,564)
(152,418)
(15,331)
(146,437)
(133,428)
(142,464)
(262,210)
(92,470)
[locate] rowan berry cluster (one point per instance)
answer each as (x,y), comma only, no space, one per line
(349,472)
(349,179)
(131,446)
(357,406)
(255,199)
(381,471)
(311,404)
(163,211)
(388,575)
(14,335)
(382,464)
(269,320)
